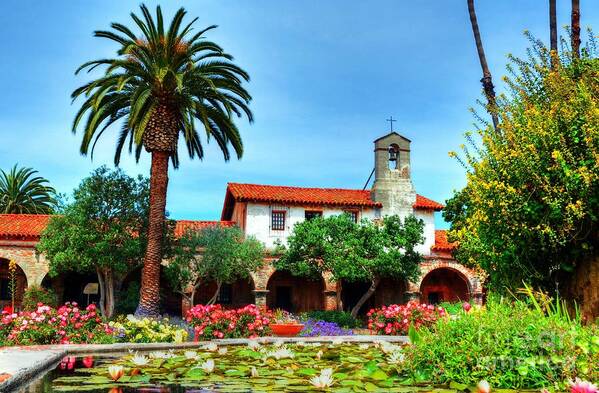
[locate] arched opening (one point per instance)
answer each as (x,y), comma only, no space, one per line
(74,287)
(235,295)
(6,282)
(389,291)
(294,294)
(393,156)
(444,285)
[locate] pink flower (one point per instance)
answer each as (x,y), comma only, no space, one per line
(580,386)
(466,306)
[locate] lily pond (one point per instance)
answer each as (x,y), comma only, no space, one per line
(254,367)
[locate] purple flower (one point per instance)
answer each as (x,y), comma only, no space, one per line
(314,328)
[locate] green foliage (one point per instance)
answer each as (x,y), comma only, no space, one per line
(341,318)
(511,345)
(529,209)
(166,79)
(21,191)
(452,308)
(146,330)
(104,226)
(220,254)
(354,252)
(35,294)
(128,299)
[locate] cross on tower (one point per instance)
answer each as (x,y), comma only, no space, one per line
(391,120)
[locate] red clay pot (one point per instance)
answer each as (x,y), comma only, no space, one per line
(286,329)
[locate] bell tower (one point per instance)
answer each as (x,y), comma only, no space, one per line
(392,182)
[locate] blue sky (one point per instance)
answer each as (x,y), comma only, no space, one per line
(325,76)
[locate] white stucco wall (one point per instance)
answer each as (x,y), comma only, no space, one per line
(429,230)
(258,220)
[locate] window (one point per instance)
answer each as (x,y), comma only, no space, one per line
(277,220)
(310,214)
(225,295)
(354,214)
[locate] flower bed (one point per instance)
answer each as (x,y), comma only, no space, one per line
(215,322)
(396,319)
(315,328)
(66,325)
(146,330)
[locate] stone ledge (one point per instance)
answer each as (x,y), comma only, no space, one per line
(26,364)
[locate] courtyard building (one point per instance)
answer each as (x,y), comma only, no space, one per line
(269,213)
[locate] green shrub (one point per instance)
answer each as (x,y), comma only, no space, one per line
(128,300)
(511,345)
(36,294)
(341,318)
(452,308)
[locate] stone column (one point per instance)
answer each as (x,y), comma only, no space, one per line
(260,296)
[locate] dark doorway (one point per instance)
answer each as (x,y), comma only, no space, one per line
(283,298)
(434,298)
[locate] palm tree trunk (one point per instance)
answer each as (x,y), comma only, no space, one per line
(553,32)
(575,29)
(487,80)
(149,294)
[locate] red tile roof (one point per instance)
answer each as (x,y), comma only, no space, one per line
(309,196)
(441,243)
(423,203)
(31,226)
(301,195)
(23,226)
(184,225)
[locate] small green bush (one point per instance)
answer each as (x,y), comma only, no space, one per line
(452,308)
(511,345)
(37,294)
(341,318)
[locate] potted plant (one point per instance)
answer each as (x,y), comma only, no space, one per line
(284,324)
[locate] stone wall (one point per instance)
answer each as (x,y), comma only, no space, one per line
(33,264)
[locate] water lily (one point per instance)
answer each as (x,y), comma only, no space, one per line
(324,380)
(337,341)
(208,366)
(140,360)
(222,351)
(281,353)
(278,343)
(363,346)
(319,354)
(396,357)
(254,372)
(580,386)
(159,355)
(115,372)
(254,345)
(483,387)
(191,354)
(211,347)
(389,348)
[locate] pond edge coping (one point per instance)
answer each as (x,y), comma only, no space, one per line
(54,353)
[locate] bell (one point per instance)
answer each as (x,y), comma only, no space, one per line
(392,154)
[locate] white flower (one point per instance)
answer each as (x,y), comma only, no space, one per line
(396,357)
(337,341)
(319,354)
(281,353)
(278,343)
(222,351)
(254,345)
(139,360)
(191,354)
(159,355)
(363,346)
(324,380)
(388,348)
(254,372)
(131,318)
(208,366)
(211,347)
(115,372)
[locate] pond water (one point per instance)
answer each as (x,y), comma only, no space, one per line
(243,368)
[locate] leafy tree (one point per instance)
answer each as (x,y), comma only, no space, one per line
(21,191)
(529,211)
(368,251)
(214,254)
(102,231)
(159,85)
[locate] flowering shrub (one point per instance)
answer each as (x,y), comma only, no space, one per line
(396,319)
(45,325)
(315,328)
(215,322)
(146,330)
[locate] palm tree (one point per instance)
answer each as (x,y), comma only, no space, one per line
(487,80)
(575,29)
(21,191)
(157,87)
